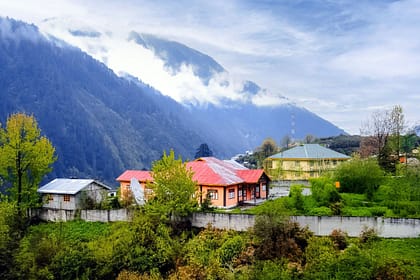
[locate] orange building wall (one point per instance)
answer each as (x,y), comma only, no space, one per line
(219,202)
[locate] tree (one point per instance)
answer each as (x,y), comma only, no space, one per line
(267,148)
(383,137)
(25,158)
(286,141)
(359,176)
(173,186)
(309,139)
(203,151)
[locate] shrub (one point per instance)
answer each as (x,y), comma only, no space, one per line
(378,211)
(324,192)
(368,235)
(320,211)
(339,238)
(277,237)
(391,269)
(359,176)
(357,212)
(296,196)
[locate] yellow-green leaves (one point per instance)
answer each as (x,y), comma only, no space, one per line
(25,157)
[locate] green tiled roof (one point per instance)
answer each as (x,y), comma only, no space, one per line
(309,151)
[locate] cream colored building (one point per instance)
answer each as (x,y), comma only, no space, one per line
(302,162)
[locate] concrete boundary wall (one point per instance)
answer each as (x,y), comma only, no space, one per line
(322,226)
(56,215)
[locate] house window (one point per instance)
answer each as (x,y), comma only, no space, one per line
(269,164)
(231,193)
(66,197)
(297,163)
(50,197)
(264,187)
(213,194)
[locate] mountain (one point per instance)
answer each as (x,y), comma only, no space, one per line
(100,124)
(244,121)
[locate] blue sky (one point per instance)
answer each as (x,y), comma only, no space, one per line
(343,60)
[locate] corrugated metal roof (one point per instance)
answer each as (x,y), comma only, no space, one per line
(251,176)
(208,171)
(215,172)
(310,151)
(68,186)
(140,175)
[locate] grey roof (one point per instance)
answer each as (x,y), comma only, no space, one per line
(68,186)
(309,151)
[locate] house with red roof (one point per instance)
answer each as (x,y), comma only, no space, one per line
(226,183)
(125,180)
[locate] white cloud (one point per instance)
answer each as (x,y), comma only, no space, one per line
(340,59)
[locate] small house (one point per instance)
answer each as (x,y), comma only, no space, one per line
(226,183)
(72,194)
(142,176)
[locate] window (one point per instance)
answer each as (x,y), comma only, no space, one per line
(213,194)
(50,197)
(231,193)
(297,163)
(264,187)
(66,197)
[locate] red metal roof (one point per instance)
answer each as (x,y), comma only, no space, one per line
(251,176)
(216,172)
(140,175)
(208,171)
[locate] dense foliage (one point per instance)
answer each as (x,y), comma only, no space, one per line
(25,158)
(173,187)
(149,249)
(359,176)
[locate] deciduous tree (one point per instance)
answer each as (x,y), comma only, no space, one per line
(173,186)
(25,157)
(383,137)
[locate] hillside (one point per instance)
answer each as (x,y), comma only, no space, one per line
(102,124)
(99,123)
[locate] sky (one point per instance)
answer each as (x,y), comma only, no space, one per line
(342,59)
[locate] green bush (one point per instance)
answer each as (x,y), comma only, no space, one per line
(378,211)
(296,197)
(354,199)
(357,212)
(362,176)
(324,192)
(320,211)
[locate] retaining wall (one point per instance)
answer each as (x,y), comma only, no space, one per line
(322,226)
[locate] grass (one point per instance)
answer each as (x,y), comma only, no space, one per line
(406,251)
(74,231)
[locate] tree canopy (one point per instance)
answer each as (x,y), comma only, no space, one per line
(173,186)
(25,158)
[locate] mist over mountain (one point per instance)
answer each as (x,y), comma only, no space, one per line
(102,124)
(99,123)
